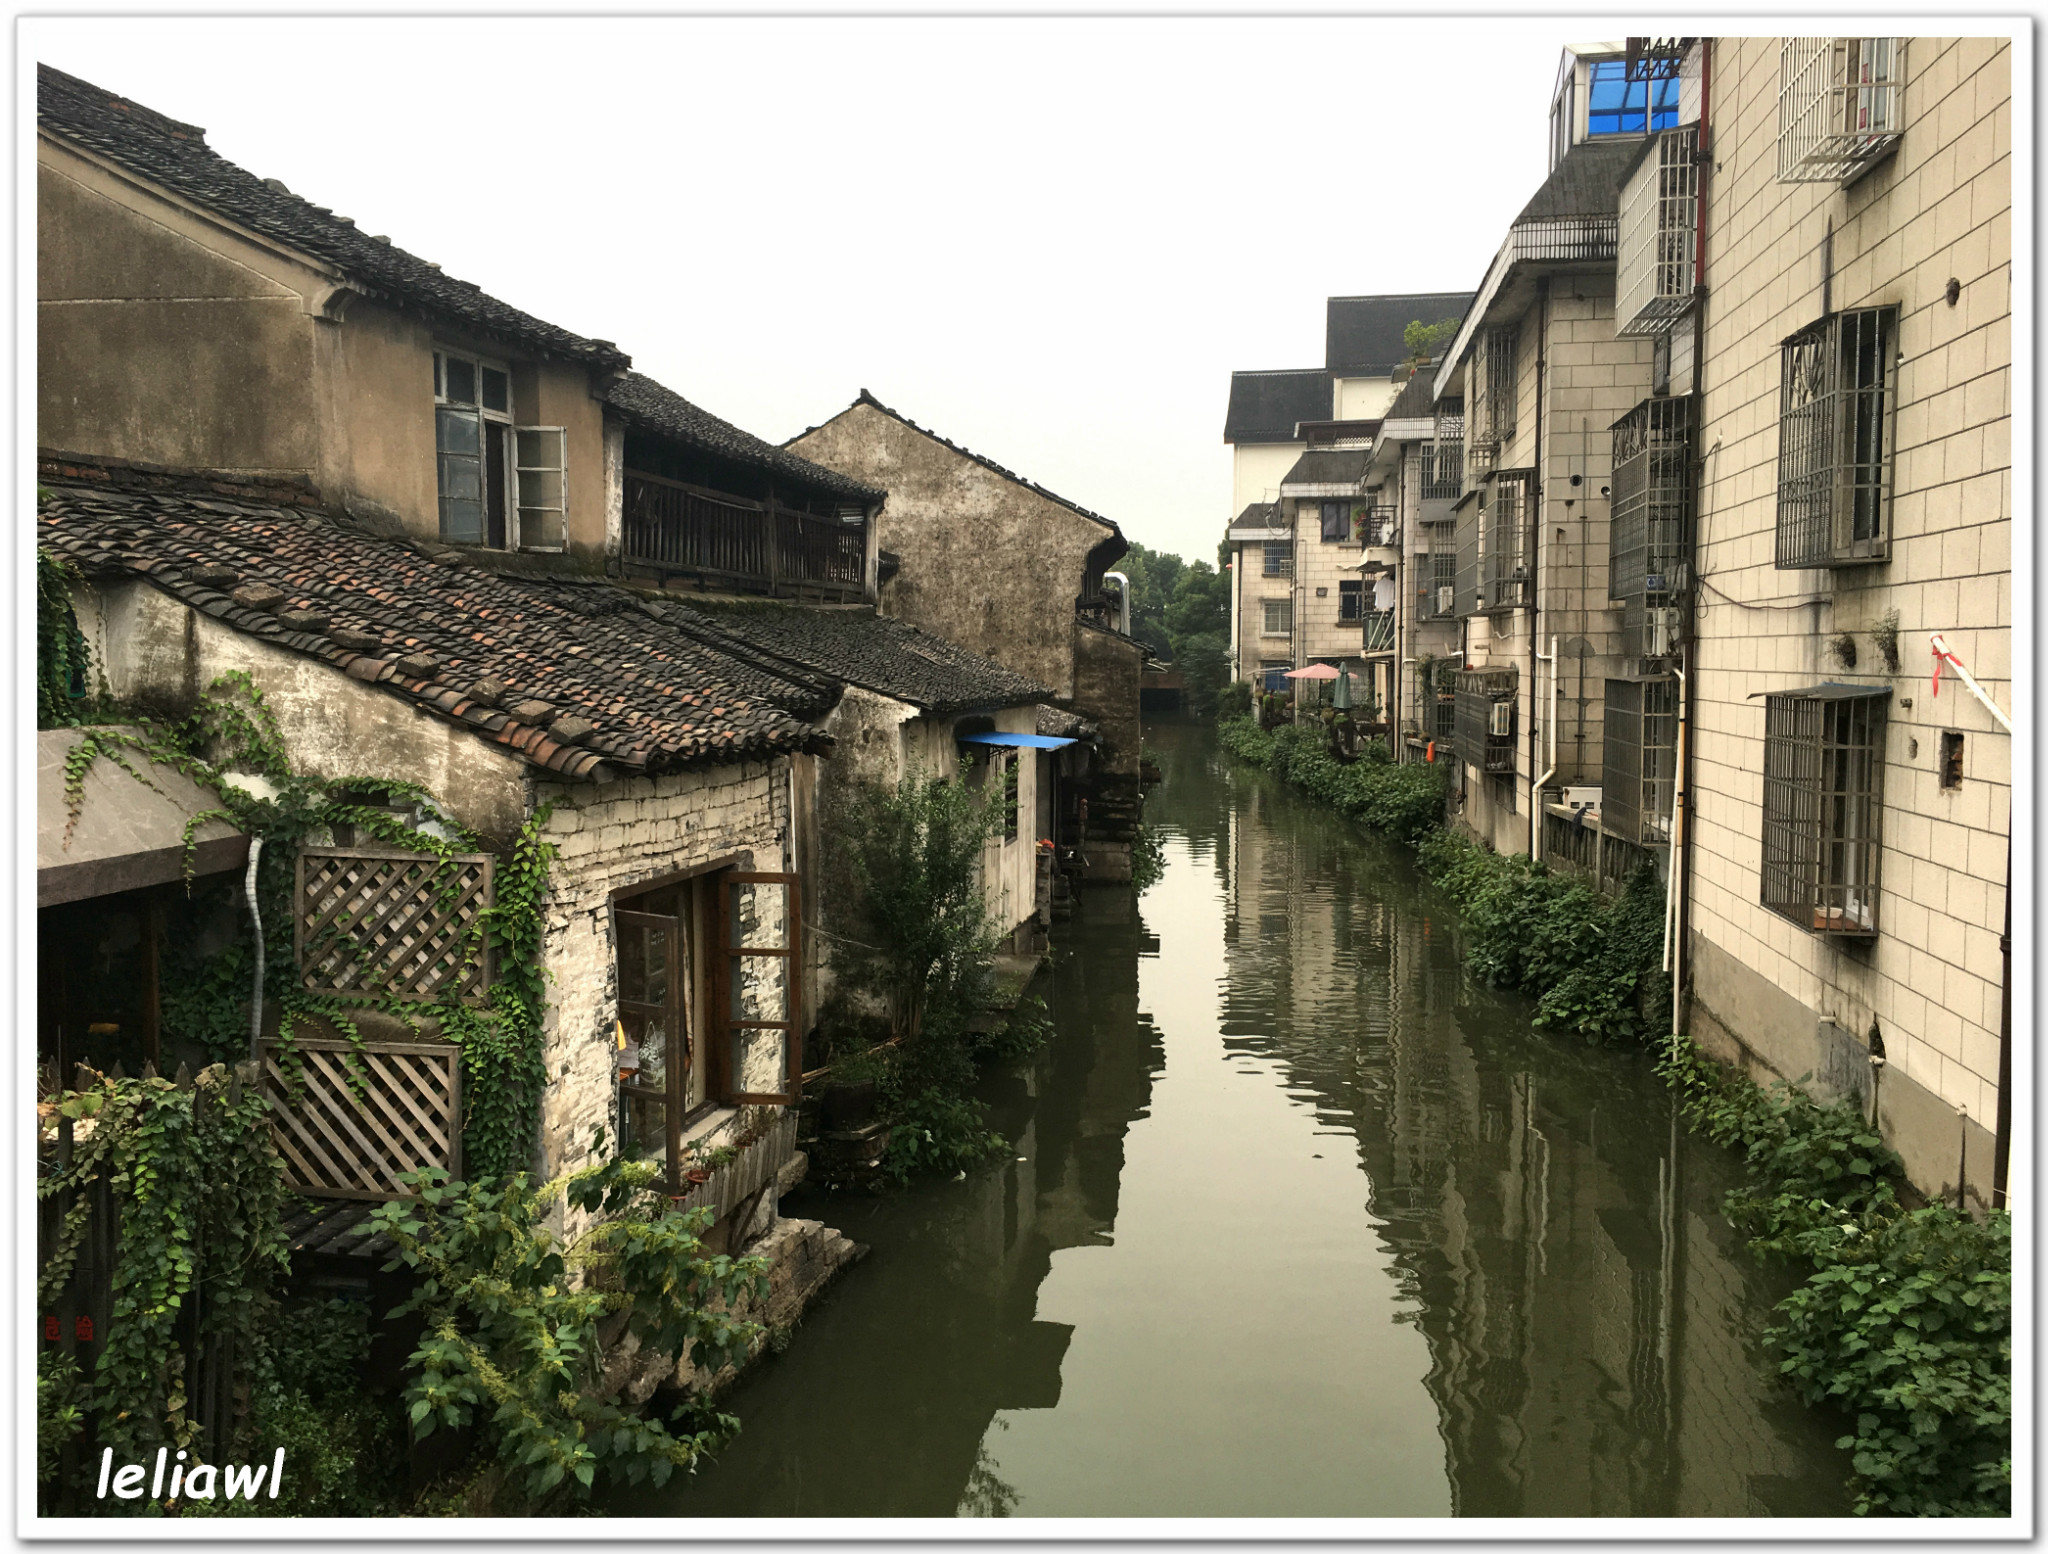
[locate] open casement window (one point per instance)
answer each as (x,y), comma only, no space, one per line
(1823,806)
(760,975)
(541,474)
(653,1020)
(1837,385)
(499,485)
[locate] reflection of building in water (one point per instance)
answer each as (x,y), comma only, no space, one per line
(1583,1302)
(935,1334)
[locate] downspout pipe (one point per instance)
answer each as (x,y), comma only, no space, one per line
(1536,565)
(1550,733)
(256,917)
(1681,830)
(1123,598)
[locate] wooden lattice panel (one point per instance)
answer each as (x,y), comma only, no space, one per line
(347,1130)
(392,923)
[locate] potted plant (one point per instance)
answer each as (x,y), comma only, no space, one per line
(846,1099)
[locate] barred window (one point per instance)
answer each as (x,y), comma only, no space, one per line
(1639,765)
(1649,555)
(1495,403)
(1439,570)
(1823,805)
(1837,384)
(1507,583)
(1350,598)
(1279,558)
(1443,456)
(1486,718)
(1839,107)
(1279,617)
(1466,599)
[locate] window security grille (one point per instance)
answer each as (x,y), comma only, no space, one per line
(1444,722)
(1494,406)
(1378,525)
(1656,240)
(1279,558)
(1511,509)
(1839,106)
(1278,617)
(1486,718)
(1649,555)
(1823,806)
(1466,598)
(1350,599)
(1639,760)
(1837,385)
(1439,577)
(1443,456)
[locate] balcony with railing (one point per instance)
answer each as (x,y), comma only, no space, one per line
(1658,236)
(1379,631)
(734,542)
(1506,582)
(1378,525)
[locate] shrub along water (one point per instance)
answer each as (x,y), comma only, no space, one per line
(1904,1316)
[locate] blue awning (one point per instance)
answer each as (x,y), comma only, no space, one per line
(1025,741)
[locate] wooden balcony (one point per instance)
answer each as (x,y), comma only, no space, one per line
(733,542)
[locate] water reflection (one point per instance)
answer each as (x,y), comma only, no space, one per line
(1303,1225)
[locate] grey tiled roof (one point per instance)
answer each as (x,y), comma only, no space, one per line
(1363,334)
(664,412)
(1329,467)
(1586,183)
(861,648)
(176,156)
(423,623)
(1264,406)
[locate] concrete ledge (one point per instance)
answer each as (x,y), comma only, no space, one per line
(1743,1019)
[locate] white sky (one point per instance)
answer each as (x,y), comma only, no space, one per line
(1049,239)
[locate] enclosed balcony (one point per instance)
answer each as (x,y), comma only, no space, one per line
(746,545)
(1650,539)
(1655,267)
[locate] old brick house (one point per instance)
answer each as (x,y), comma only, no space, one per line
(983,557)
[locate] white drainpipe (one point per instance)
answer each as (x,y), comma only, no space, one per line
(1123,594)
(1550,741)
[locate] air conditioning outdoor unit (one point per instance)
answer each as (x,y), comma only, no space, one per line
(1660,632)
(1502,720)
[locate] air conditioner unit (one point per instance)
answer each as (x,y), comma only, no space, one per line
(1445,596)
(1660,632)
(1501,721)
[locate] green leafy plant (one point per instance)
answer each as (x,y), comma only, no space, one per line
(1404,803)
(1423,341)
(65,691)
(512,1311)
(1148,857)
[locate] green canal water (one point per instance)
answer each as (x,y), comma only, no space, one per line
(1299,1222)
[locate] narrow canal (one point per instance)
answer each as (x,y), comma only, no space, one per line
(1300,1223)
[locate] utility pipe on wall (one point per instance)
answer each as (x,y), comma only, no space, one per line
(256,916)
(1123,597)
(1550,771)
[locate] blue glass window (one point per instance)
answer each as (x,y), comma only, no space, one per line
(1616,105)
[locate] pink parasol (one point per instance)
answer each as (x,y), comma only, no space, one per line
(1312,672)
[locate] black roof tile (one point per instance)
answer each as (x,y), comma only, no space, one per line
(1586,183)
(666,413)
(1363,335)
(1329,467)
(1265,406)
(176,156)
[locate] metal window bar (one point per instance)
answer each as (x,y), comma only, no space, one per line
(1839,106)
(1650,537)
(1657,225)
(1439,577)
(1639,760)
(1380,525)
(1836,401)
(1481,738)
(1379,631)
(1511,506)
(1466,598)
(1350,601)
(1823,805)
(1443,724)
(1279,558)
(1443,456)
(1496,407)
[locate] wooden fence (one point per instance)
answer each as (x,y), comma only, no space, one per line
(393,922)
(348,1120)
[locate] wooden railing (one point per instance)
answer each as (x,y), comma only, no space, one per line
(760,546)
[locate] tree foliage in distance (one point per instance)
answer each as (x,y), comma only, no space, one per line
(1181,610)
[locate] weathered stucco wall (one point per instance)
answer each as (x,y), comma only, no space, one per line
(162,336)
(1106,691)
(986,563)
(171,337)
(158,653)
